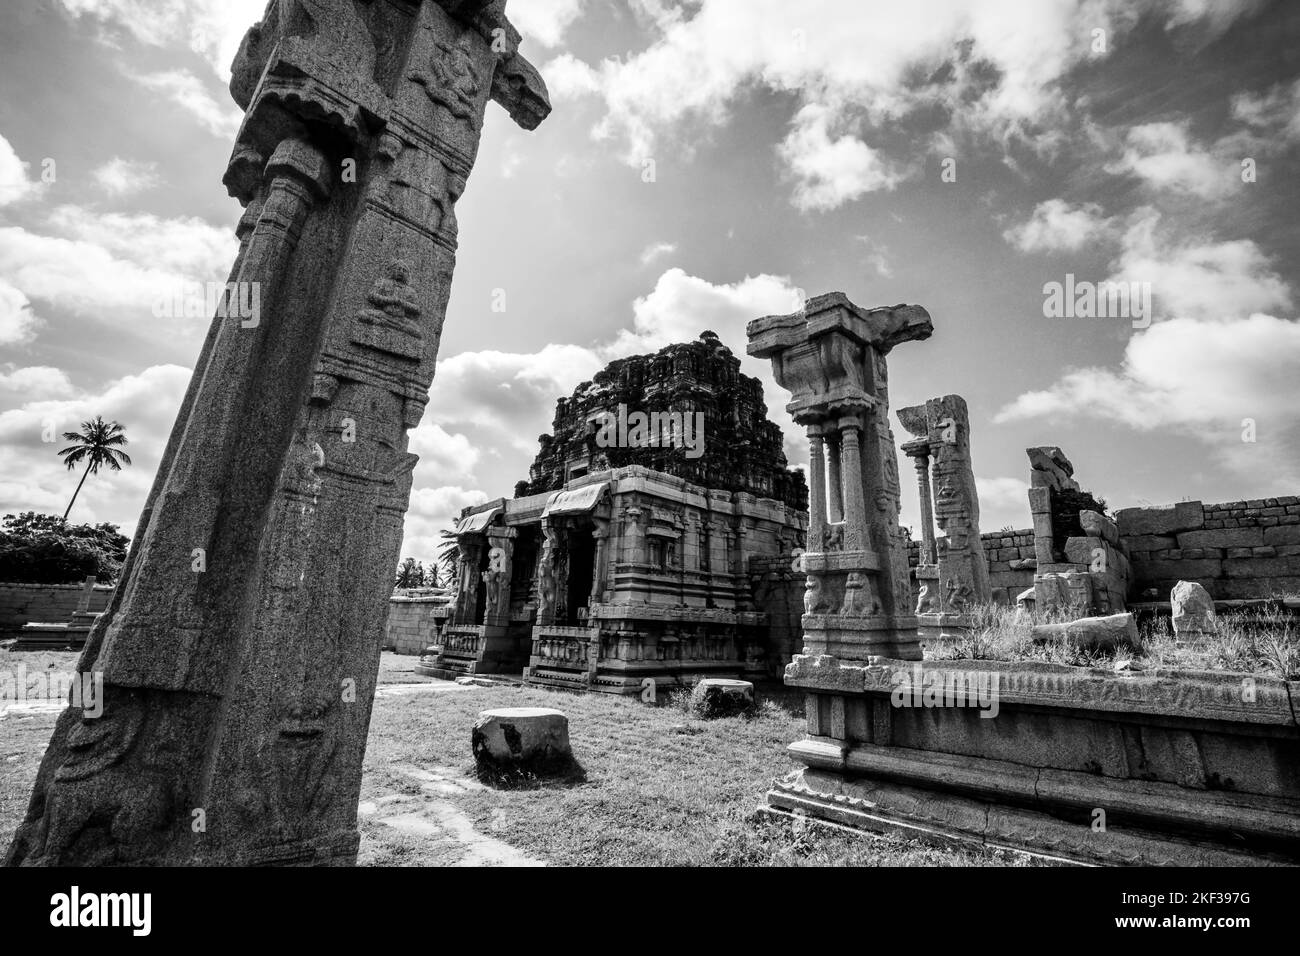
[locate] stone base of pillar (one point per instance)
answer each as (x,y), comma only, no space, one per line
(937,630)
(860,638)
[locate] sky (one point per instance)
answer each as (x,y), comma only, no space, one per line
(708,162)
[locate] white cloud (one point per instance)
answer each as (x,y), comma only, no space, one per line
(191,94)
(112,261)
(829,170)
(211,29)
(1003,501)
(14,182)
(657,250)
(544,21)
(1163,156)
(993,67)
(1057,226)
(17,320)
(1277,112)
(1196,377)
(37,382)
(125,177)
(568,78)
(1198,278)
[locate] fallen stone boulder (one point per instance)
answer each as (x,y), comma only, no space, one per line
(512,743)
(1092,633)
(719,697)
(1193,610)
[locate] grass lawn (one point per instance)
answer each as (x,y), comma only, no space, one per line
(660,788)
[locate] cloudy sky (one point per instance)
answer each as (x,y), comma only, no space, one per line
(708,162)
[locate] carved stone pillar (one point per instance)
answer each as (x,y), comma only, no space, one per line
(835,484)
(816,488)
(601,535)
(856,534)
(831,358)
(240,652)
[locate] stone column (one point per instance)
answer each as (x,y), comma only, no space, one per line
(240,653)
(816,489)
(922,462)
(601,535)
(835,484)
(831,358)
(856,534)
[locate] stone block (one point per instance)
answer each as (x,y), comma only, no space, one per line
(718,697)
(1092,633)
(1253,567)
(1150,542)
(1225,538)
(1182,516)
(1282,534)
(1159,569)
(1193,609)
(521,742)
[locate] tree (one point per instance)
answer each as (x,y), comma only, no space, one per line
(410,574)
(449,556)
(45,549)
(98,443)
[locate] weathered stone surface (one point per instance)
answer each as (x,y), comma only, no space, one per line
(1097,525)
(521,740)
(1092,633)
(1282,534)
(1222,538)
(239,654)
(941,456)
(1049,468)
(1182,516)
(717,697)
(1193,609)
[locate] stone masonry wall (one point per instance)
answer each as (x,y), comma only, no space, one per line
(44,604)
(414,623)
(778,591)
(1010,559)
(1236,550)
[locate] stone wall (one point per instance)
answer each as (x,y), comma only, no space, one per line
(1010,559)
(44,604)
(1236,550)
(778,591)
(414,622)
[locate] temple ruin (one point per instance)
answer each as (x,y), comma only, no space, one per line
(653,539)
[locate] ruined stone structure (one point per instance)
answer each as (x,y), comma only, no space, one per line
(952,575)
(740,448)
(1082,566)
(1236,550)
(620,576)
(831,358)
(239,653)
(615,562)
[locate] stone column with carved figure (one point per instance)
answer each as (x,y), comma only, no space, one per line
(240,653)
(959,579)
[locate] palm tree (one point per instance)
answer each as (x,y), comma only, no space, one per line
(449,556)
(96,444)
